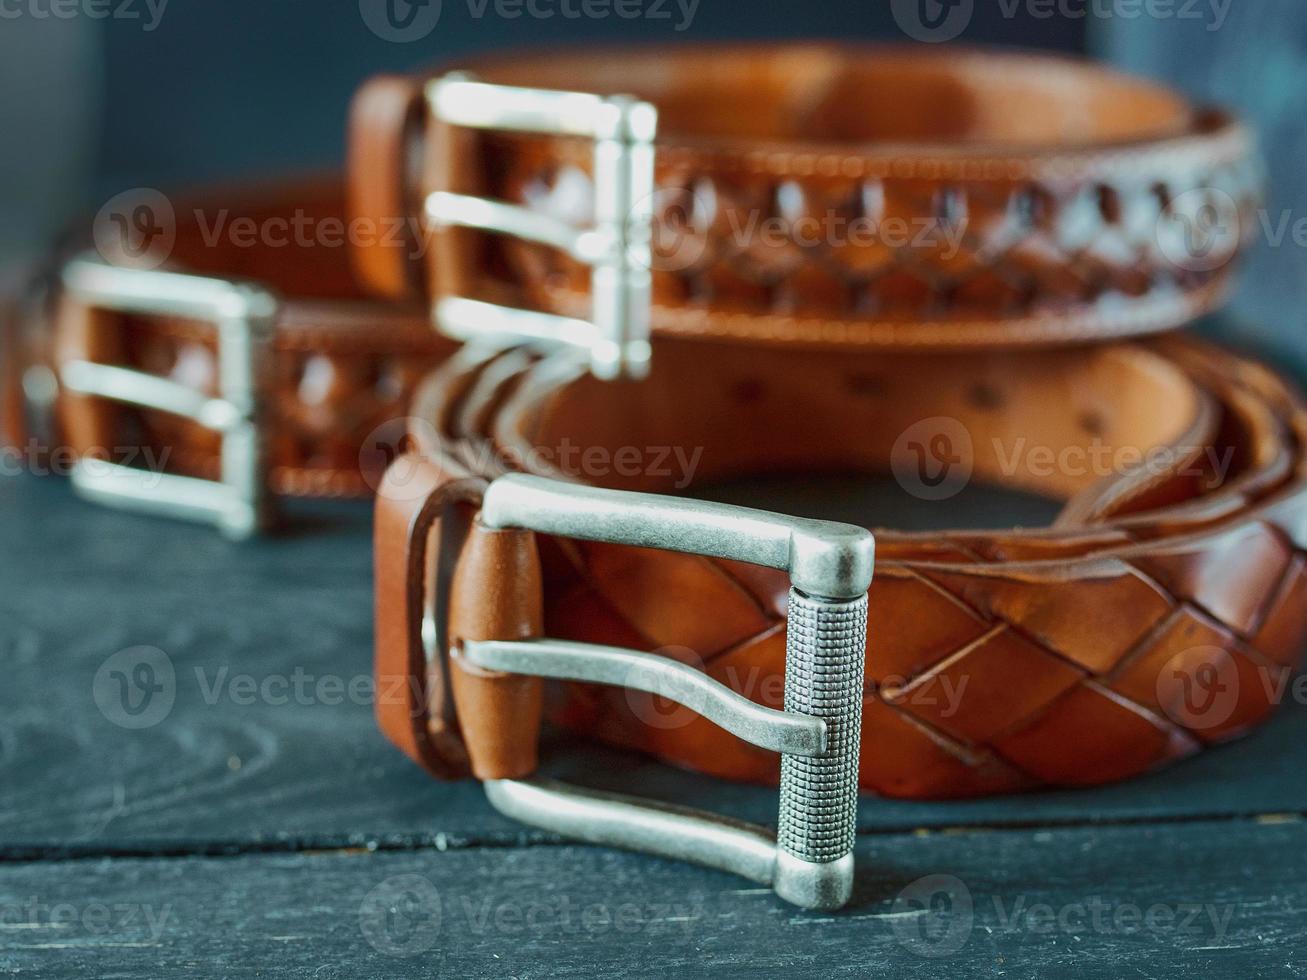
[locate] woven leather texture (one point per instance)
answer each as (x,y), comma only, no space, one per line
(834,249)
(337,399)
(1080,655)
(343,367)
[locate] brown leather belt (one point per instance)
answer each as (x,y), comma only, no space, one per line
(1160,613)
(816,194)
(247,368)
(1066,633)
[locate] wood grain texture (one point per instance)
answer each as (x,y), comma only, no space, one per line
(269,742)
(242,837)
(1206,899)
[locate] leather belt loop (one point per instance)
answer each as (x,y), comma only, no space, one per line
(384,120)
(13,362)
(413,705)
(497,594)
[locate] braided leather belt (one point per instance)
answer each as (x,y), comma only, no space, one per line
(241,372)
(801,194)
(1152,619)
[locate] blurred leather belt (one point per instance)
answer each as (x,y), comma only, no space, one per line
(1157,616)
(244,369)
(804,195)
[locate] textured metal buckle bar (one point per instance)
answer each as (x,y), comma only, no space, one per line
(810,860)
(617,248)
(243,316)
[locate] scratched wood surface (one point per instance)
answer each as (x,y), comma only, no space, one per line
(1203,899)
(252,809)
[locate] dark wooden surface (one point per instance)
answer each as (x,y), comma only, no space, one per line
(239,836)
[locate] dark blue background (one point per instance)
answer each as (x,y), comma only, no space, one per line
(240,88)
(245,85)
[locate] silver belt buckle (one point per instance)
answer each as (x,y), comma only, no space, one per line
(618,248)
(243,316)
(809,862)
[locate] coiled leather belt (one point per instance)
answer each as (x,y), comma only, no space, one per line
(245,369)
(806,194)
(1158,615)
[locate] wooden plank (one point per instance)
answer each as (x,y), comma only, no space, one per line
(1214,899)
(227,767)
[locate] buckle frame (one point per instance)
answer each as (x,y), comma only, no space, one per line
(239,503)
(809,862)
(618,248)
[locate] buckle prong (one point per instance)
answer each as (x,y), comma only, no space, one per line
(779,731)
(810,860)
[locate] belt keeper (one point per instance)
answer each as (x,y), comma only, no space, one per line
(496,595)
